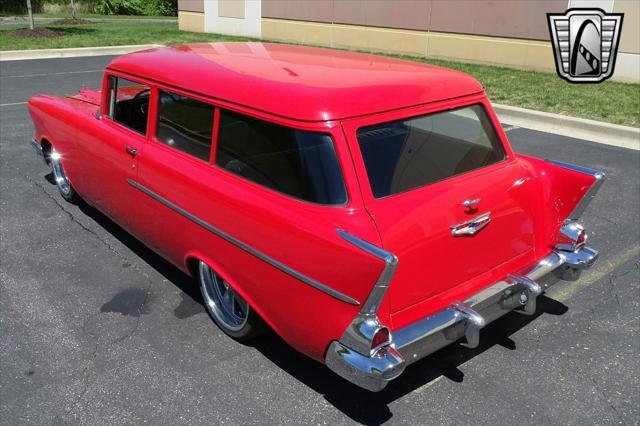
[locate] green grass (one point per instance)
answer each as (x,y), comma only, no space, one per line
(67,15)
(106,34)
(609,101)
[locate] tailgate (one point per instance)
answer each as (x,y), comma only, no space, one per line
(417,228)
(450,200)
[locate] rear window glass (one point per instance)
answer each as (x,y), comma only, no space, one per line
(185,124)
(406,154)
(294,162)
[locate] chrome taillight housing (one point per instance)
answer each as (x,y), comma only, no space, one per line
(381,338)
(572,236)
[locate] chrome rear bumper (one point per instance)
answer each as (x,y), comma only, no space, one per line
(463,319)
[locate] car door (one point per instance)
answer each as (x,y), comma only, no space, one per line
(111,149)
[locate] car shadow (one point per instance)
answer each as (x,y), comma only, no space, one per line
(373,408)
(358,404)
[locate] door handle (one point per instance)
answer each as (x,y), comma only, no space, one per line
(131,150)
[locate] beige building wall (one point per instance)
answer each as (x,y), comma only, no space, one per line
(526,54)
(511,33)
(191,15)
(231,8)
(191,21)
(630,37)
(628,60)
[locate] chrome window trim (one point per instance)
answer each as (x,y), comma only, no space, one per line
(260,255)
(599,177)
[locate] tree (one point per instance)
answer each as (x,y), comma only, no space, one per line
(31,25)
(73,9)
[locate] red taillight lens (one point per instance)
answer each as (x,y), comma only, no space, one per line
(572,236)
(381,338)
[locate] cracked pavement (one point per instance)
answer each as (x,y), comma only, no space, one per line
(97,329)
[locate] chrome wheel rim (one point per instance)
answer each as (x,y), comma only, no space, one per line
(221,300)
(58,173)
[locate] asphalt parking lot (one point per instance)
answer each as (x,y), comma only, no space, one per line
(95,328)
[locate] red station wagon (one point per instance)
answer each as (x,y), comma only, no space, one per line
(369,210)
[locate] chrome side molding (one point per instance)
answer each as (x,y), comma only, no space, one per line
(372,304)
(359,334)
(590,194)
(244,246)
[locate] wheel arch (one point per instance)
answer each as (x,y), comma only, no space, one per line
(46,148)
(191,262)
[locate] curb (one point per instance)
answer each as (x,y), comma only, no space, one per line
(579,128)
(21,55)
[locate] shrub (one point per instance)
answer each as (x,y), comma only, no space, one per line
(138,7)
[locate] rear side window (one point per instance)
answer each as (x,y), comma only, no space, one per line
(301,164)
(129,103)
(406,154)
(185,124)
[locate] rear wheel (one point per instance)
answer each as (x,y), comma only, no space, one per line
(227,308)
(61,179)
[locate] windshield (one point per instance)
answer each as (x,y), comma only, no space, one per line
(410,153)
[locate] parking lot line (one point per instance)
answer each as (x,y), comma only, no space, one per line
(427,385)
(50,73)
(594,275)
(13,103)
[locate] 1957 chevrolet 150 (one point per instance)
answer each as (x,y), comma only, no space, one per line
(367,209)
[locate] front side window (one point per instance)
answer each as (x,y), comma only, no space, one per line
(406,154)
(298,163)
(185,124)
(129,103)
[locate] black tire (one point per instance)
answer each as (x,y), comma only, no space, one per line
(63,183)
(231,313)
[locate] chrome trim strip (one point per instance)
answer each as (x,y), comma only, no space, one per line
(372,304)
(281,266)
(591,193)
(38,148)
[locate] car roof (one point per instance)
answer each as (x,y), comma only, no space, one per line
(297,82)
